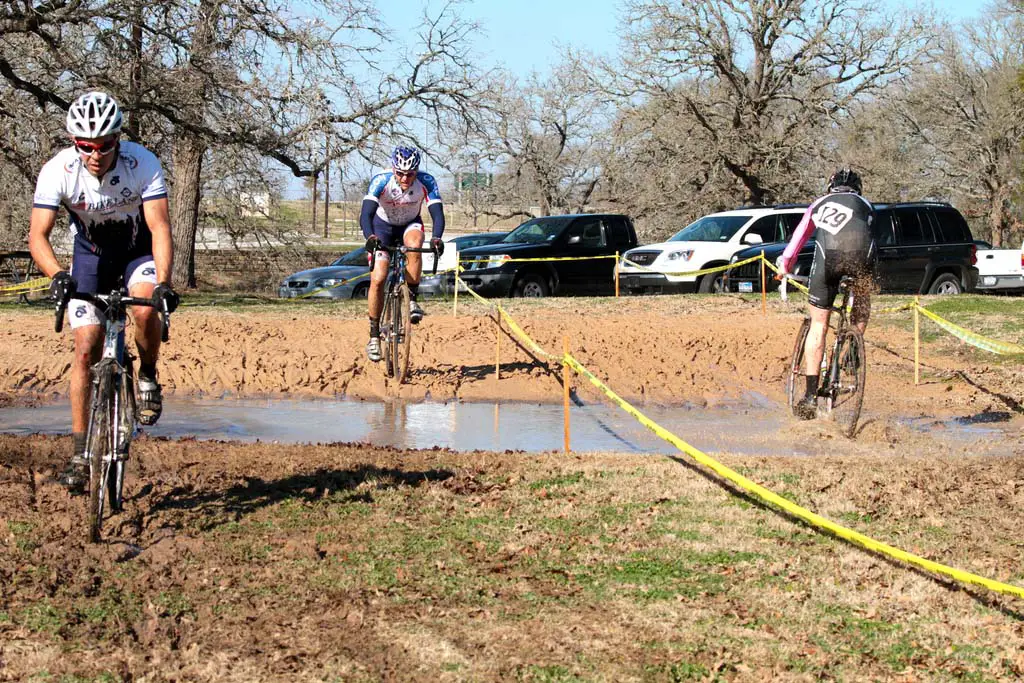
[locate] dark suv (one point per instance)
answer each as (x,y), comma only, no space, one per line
(490,270)
(923,247)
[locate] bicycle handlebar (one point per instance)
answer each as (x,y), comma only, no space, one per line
(405,250)
(104,301)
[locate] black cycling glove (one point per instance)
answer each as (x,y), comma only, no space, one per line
(437,244)
(163,293)
(62,286)
(373,243)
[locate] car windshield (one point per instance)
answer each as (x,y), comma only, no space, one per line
(352,258)
(477,240)
(710,229)
(537,231)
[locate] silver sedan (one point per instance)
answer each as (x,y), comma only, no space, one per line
(346,278)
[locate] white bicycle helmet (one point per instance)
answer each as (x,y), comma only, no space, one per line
(405,158)
(94,115)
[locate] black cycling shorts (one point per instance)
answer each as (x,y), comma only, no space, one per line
(393,235)
(829,267)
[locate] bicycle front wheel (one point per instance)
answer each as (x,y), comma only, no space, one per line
(387,332)
(99,444)
(847,374)
(402,325)
(124,409)
(794,378)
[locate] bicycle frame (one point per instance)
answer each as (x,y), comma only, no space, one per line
(396,327)
(112,406)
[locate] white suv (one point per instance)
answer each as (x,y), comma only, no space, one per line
(708,242)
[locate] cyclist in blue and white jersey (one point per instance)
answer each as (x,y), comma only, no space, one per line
(842,222)
(391,211)
(117,206)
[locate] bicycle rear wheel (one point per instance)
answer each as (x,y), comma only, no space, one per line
(402,325)
(99,444)
(847,374)
(794,379)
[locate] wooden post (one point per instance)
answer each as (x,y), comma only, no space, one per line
(565,389)
(764,287)
(497,346)
(616,275)
(455,308)
(917,344)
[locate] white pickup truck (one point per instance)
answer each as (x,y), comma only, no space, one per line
(1000,269)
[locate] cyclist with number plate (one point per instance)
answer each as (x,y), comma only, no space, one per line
(842,222)
(117,206)
(391,211)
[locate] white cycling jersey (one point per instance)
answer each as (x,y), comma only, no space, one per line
(402,208)
(104,212)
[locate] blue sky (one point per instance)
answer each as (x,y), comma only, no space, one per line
(524,36)
(528,35)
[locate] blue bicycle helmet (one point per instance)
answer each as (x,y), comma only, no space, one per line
(405,158)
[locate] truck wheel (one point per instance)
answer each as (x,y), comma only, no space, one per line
(712,283)
(947,283)
(531,286)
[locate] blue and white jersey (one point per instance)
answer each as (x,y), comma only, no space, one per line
(402,208)
(105,213)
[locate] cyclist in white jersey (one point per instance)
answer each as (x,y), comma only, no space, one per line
(117,207)
(391,209)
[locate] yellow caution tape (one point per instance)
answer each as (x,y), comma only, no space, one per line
(512,324)
(35,285)
(791,508)
(972,338)
(803,288)
(703,271)
(526,260)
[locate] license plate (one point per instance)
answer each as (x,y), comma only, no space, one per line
(746,286)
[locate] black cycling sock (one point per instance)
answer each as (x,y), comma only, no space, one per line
(812,385)
(414,291)
(374,328)
(147,370)
(79,443)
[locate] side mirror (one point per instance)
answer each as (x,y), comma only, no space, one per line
(575,239)
(752,238)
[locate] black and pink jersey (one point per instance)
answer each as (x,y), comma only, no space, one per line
(844,223)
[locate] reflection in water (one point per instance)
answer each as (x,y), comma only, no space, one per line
(753,426)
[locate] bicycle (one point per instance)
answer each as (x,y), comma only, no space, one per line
(843,371)
(395,321)
(112,402)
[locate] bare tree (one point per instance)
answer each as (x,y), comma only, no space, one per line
(542,138)
(746,92)
(247,73)
(966,115)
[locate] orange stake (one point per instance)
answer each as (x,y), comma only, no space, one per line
(497,347)
(764,287)
(565,389)
(616,275)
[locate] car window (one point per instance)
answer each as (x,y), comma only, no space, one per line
(883,229)
(710,229)
(591,232)
(618,232)
(766,227)
(537,230)
(353,258)
(912,230)
(789,222)
(951,226)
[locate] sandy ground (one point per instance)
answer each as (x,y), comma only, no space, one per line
(241,562)
(668,350)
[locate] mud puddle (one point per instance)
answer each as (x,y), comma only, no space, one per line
(754,426)
(738,427)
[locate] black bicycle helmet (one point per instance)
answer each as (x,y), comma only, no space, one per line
(845,178)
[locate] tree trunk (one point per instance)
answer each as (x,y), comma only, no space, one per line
(188,153)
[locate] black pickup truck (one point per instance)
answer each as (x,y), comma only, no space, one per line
(491,270)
